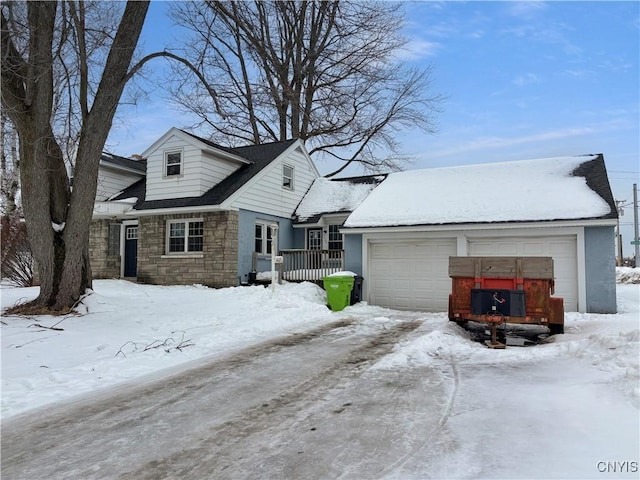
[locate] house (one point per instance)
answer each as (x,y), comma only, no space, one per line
(317,222)
(400,237)
(190,211)
(196,212)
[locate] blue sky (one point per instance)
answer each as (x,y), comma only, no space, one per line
(522,80)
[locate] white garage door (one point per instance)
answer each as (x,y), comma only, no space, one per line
(410,275)
(562,249)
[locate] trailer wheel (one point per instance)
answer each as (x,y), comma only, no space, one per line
(461,323)
(556,328)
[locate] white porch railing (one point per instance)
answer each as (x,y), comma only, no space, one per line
(311,265)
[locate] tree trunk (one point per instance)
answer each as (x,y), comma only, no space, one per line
(58,218)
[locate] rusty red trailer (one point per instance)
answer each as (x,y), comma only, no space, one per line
(498,290)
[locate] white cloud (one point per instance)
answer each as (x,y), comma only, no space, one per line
(417,49)
(526,9)
(486,143)
(579,73)
(526,79)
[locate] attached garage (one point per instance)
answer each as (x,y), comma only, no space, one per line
(407,228)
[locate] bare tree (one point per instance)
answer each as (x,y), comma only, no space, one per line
(9,168)
(325,72)
(16,259)
(63,121)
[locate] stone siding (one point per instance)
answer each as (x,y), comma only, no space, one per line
(215,266)
(103,265)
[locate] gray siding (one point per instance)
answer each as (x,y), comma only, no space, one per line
(353,253)
(600,272)
(246,240)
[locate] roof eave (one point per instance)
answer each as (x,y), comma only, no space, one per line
(176,210)
(115,166)
(581,222)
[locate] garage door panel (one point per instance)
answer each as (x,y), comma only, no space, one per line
(383,300)
(382,266)
(424,268)
(562,248)
(400,266)
(483,249)
(400,285)
(533,249)
(383,251)
(380,284)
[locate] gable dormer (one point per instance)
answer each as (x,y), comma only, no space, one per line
(180,165)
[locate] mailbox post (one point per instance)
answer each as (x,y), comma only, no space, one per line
(274,250)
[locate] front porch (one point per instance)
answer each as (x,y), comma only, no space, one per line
(310,265)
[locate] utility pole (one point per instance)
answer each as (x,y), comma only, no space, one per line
(636,240)
(619,235)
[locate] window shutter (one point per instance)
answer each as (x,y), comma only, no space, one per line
(113,246)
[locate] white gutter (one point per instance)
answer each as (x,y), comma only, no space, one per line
(113,208)
(178,210)
(609,222)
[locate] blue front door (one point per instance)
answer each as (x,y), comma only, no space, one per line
(130,250)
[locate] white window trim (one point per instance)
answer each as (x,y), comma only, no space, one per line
(329,235)
(183,253)
(166,154)
(265,228)
(127,229)
(293,171)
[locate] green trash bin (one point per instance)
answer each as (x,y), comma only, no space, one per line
(338,290)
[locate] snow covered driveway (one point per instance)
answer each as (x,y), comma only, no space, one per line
(300,392)
(222,418)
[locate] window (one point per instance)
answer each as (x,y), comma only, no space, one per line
(263,238)
(335,238)
(287,177)
(314,239)
(131,233)
(173,164)
(113,246)
(185,236)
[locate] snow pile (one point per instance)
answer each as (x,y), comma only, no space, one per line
(126,330)
(542,189)
(627,275)
(617,354)
(326,196)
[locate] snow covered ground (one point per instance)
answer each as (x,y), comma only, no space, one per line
(126,331)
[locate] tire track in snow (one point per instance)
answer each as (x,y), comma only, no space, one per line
(439,427)
(211,452)
(196,419)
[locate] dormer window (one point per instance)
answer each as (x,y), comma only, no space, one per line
(173,163)
(287,177)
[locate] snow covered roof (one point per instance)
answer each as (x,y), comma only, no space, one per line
(335,196)
(137,165)
(560,188)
